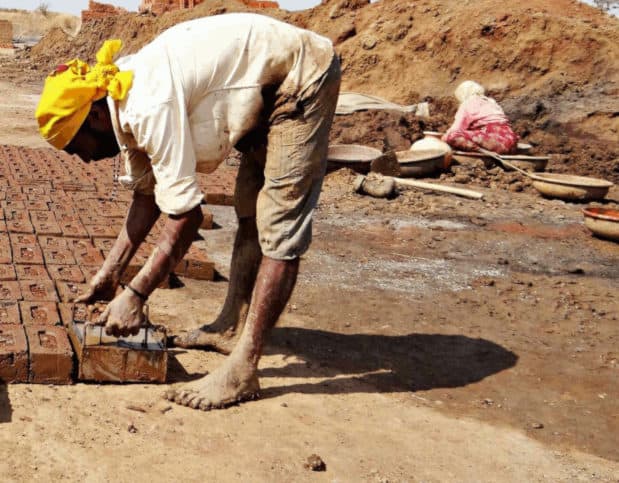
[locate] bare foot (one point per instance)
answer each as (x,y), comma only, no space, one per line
(229,384)
(207,337)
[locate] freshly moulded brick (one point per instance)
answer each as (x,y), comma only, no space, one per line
(18,221)
(7,272)
(13,354)
(66,273)
(73,229)
(36,205)
(52,242)
(22,239)
(31,272)
(39,313)
(104,243)
(9,313)
(9,290)
(51,356)
(28,254)
(68,291)
(88,257)
(58,256)
(104,230)
(5,249)
(89,271)
(38,290)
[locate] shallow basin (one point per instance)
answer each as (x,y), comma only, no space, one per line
(603,222)
(420,163)
(570,187)
(354,156)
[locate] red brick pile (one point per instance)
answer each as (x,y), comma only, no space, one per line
(57,223)
(98,10)
(6,34)
(158,7)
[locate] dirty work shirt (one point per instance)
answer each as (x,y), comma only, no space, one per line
(197,90)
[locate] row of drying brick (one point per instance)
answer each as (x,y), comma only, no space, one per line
(36,354)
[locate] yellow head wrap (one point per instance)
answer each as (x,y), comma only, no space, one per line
(70,91)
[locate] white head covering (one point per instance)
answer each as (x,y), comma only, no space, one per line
(467,89)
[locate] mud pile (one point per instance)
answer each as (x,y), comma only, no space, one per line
(553,65)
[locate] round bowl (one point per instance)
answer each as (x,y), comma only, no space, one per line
(569,187)
(603,222)
(354,156)
(420,163)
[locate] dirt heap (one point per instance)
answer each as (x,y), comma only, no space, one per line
(553,64)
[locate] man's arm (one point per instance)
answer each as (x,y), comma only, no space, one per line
(124,315)
(142,215)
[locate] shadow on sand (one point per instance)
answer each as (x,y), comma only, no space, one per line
(381,363)
(6,411)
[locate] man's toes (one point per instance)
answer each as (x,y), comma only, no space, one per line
(205,404)
(186,397)
(170,394)
(195,402)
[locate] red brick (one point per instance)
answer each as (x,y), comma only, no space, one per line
(207,219)
(27,239)
(89,271)
(28,254)
(9,290)
(5,249)
(9,313)
(39,313)
(44,223)
(58,256)
(90,257)
(18,221)
(52,242)
(51,356)
(13,354)
(7,272)
(36,205)
(68,291)
(106,230)
(38,290)
(104,243)
(73,228)
(66,273)
(31,272)
(14,204)
(67,217)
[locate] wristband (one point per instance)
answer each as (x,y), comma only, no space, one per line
(140,295)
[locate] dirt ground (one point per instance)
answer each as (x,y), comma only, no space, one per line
(430,338)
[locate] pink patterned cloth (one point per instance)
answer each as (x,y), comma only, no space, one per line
(480,122)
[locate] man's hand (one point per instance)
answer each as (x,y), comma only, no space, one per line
(124,315)
(101,288)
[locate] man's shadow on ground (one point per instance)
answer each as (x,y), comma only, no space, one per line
(6,410)
(382,363)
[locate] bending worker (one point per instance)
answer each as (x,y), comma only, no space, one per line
(479,122)
(176,107)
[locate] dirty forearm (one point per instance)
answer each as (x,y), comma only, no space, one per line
(178,233)
(142,215)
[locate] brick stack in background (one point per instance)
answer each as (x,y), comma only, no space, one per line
(98,10)
(6,34)
(57,223)
(158,7)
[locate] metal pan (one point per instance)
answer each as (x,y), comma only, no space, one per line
(603,222)
(353,156)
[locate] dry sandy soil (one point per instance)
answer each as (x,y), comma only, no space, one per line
(430,338)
